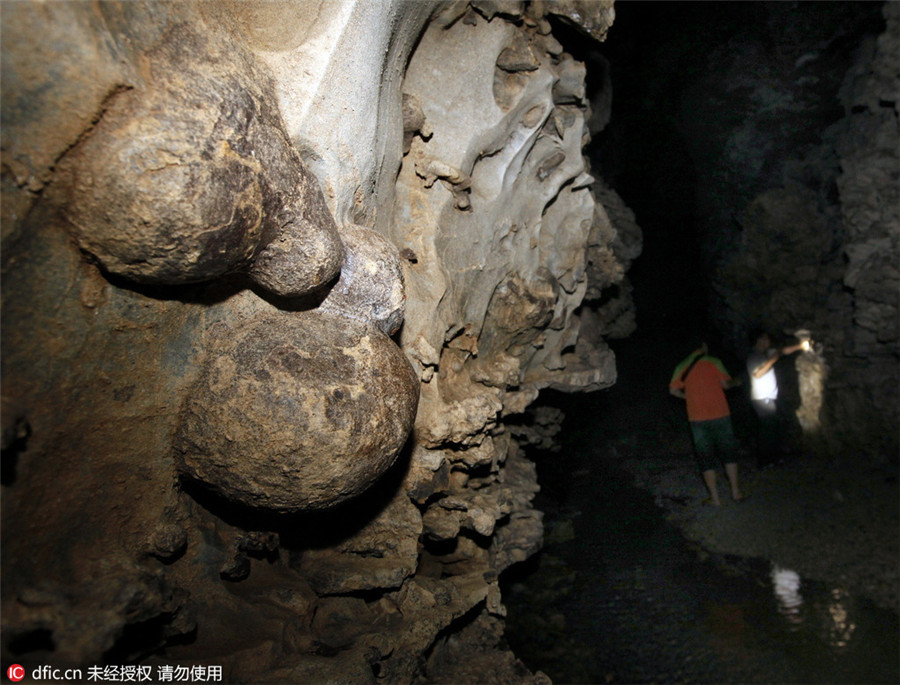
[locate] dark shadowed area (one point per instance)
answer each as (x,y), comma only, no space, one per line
(726,119)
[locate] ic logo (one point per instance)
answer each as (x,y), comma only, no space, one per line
(15,673)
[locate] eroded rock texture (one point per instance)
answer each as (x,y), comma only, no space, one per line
(215,216)
(296,413)
(189,175)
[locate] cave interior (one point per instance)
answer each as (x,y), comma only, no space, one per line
(753,143)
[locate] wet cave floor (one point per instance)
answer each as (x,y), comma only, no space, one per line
(641,582)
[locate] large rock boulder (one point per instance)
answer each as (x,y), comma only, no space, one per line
(297,413)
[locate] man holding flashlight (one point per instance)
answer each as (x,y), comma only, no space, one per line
(764,393)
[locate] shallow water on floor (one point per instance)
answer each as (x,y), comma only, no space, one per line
(619,596)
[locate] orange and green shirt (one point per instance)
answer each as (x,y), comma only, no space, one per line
(703,388)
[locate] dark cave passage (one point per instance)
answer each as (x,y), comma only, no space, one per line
(620,594)
(639,581)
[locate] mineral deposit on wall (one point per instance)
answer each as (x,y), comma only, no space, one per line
(275,274)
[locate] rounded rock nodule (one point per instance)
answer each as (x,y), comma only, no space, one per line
(296,413)
(370,287)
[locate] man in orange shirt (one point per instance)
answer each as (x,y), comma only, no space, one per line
(701,380)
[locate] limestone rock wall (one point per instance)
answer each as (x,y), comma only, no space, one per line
(275,275)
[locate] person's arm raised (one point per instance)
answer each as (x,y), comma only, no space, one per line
(763,368)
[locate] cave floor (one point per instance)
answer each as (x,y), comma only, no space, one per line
(621,595)
(641,582)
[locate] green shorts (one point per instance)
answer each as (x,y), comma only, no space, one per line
(714,442)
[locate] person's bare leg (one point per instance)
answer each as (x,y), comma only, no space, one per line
(731,470)
(709,477)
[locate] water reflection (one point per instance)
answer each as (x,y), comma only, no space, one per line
(834,616)
(786,585)
(593,607)
(838,626)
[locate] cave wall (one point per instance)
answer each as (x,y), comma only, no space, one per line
(276,278)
